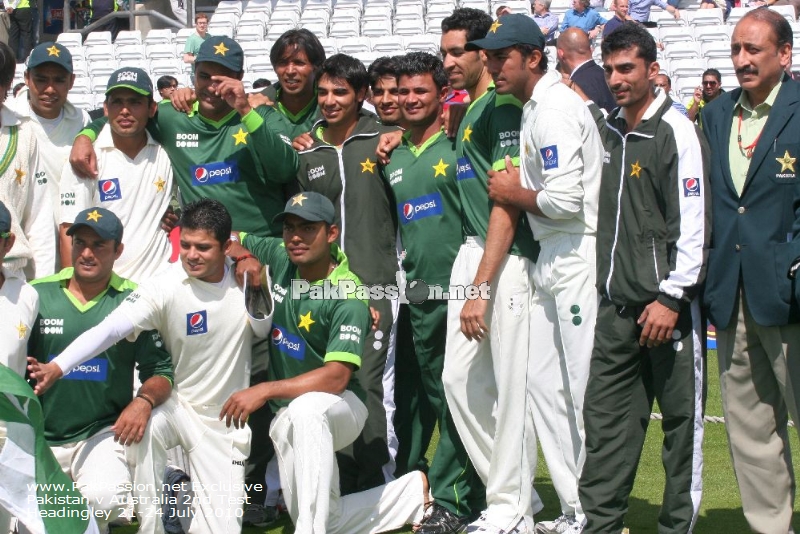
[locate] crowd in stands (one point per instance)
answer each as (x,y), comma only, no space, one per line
(268,298)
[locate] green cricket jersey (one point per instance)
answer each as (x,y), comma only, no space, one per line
(284,122)
(308,332)
(239,161)
(423,181)
(93,395)
(488,133)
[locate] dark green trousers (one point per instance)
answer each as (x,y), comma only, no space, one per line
(624,378)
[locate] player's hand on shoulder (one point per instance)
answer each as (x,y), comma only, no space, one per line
(304,141)
(83,158)
(453,116)
(259,99)
(388,142)
(169,220)
(240,405)
(45,374)
(183,99)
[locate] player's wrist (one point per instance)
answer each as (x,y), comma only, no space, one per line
(146,398)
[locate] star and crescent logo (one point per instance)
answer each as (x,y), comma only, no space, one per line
(306,321)
(298,199)
(93,216)
(787,162)
(636,169)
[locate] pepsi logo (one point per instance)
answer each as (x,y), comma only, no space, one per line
(692,184)
(277,336)
(201,174)
(197,320)
(548,153)
(108,187)
(408,211)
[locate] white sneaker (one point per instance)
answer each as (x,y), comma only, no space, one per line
(483,526)
(565,524)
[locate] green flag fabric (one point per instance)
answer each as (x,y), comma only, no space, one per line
(33,488)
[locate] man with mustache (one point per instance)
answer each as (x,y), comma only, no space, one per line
(754,134)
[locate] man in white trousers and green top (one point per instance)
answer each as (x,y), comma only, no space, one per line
(199,310)
(559,188)
(319,404)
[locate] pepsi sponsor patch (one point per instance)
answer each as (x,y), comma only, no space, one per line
(219,172)
(196,323)
(464,169)
(420,207)
(94,370)
(549,157)
(109,189)
(691,187)
(289,344)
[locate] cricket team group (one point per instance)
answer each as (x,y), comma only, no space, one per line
(149,295)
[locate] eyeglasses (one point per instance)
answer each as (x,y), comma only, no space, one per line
(710,84)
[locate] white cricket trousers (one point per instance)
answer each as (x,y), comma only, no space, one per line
(562,319)
(216,455)
(307,434)
(97,465)
(486,388)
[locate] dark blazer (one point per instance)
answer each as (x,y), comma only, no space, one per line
(755,237)
(592,81)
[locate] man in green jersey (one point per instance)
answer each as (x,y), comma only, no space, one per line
(316,346)
(341,165)
(422,174)
(383,90)
(221,149)
(484,370)
(91,414)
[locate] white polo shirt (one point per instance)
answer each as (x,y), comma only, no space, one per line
(562,158)
(205,328)
(19,304)
(137,191)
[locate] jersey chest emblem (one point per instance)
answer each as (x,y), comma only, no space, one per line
(196,323)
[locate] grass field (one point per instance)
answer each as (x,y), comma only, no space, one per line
(721,510)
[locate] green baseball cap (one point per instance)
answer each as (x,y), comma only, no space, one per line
(131,78)
(222,50)
(5,219)
(102,221)
(312,207)
(510,30)
(51,53)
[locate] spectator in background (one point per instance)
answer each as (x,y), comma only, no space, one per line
(620,10)
(194,41)
(585,17)
(710,89)
(261,83)
(575,57)
(502,10)
(663,82)
(20,29)
(639,10)
(166,86)
(548,22)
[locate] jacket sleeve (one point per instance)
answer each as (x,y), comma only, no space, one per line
(277,158)
(38,221)
(688,216)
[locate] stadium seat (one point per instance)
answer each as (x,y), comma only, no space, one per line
(357,45)
(229,6)
(675,34)
(250,33)
(329,44)
(704,17)
(99,52)
(422,43)
(722,64)
(712,33)
(786,11)
(129,52)
(70,39)
(406,26)
(160,51)
(276,30)
(183,34)
(159,36)
(82,101)
(97,38)
(664,19)
(687,67)
(161,67)
(342,28)
(254,48)
(716,49)
(389,45)
(82,86)
(685,86)
(129,37)
(225,29)
(736,14)
(258,6)
(102,69)
(682,49)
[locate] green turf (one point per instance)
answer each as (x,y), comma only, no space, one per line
(721,510)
